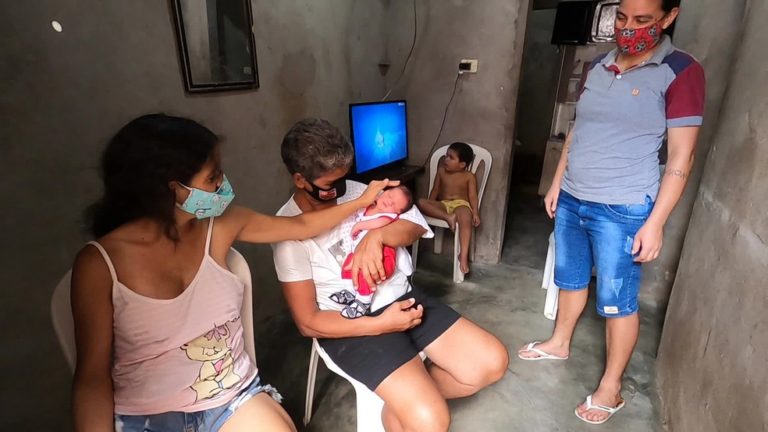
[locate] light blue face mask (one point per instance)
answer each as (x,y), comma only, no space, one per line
(205,204)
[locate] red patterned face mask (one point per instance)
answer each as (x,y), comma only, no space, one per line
(634,42)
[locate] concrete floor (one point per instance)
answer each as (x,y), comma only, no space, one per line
(506,300)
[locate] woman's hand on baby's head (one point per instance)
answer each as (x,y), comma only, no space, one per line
(374,189)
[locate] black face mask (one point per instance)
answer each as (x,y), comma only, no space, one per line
(337,190)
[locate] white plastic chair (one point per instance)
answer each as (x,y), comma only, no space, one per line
(369,404)
(548,281)
(63,324)
(482,157)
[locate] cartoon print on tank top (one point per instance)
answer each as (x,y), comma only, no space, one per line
(217,369)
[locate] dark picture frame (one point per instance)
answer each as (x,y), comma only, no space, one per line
(216,46)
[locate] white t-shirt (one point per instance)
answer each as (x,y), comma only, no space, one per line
(320,259)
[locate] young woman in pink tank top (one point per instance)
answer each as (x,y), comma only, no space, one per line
(157,313)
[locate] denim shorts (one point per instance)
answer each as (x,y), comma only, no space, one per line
(591,234)
(210,420)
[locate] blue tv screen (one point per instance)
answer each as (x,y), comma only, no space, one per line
(379,134)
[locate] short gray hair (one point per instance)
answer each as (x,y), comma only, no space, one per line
(313,147)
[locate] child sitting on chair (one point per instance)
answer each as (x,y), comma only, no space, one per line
(453,197)
(385,210)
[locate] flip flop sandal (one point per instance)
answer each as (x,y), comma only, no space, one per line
(609,410)
(542,355)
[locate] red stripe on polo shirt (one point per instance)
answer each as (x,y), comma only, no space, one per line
(686,94)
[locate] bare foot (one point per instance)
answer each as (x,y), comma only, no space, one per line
(550,347)
(464,265)
(608,396)
(452,221)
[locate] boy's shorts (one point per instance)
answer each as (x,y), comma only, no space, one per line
(452,205)
(591,234)
(371,359)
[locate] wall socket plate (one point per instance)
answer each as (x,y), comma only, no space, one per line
(467,66)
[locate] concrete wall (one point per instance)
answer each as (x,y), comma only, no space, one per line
(483,109)
(64,94)
(536,101)
(715,49)
(713,359)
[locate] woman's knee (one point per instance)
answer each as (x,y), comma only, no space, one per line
(497,362)
(412,396)
(427,417)
(490,366)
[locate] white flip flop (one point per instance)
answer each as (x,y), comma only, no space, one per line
(609,410)
(542,355)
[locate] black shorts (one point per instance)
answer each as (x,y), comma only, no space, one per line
(370,359)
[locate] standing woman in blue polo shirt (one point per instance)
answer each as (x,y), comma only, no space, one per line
(608,198)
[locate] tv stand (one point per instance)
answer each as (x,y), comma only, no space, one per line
(405,173)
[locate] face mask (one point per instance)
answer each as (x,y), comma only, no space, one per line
(634,42)
(337,190)
(205,204)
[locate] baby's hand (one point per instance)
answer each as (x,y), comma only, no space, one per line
(475,219)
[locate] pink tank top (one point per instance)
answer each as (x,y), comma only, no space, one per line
(183,354)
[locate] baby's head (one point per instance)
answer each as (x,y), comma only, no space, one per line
(458,157)
(394,200)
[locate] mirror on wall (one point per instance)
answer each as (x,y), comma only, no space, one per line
(216,44)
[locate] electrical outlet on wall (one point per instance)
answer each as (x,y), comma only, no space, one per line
(467,66)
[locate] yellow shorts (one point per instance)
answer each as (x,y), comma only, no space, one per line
(452,205)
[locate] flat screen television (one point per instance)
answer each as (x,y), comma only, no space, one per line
(379,132)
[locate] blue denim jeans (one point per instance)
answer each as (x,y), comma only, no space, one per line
(210,420)
(591,234)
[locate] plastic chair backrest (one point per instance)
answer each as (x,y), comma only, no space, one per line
(239,266)
(63,324)
(482,158)
(61,315)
